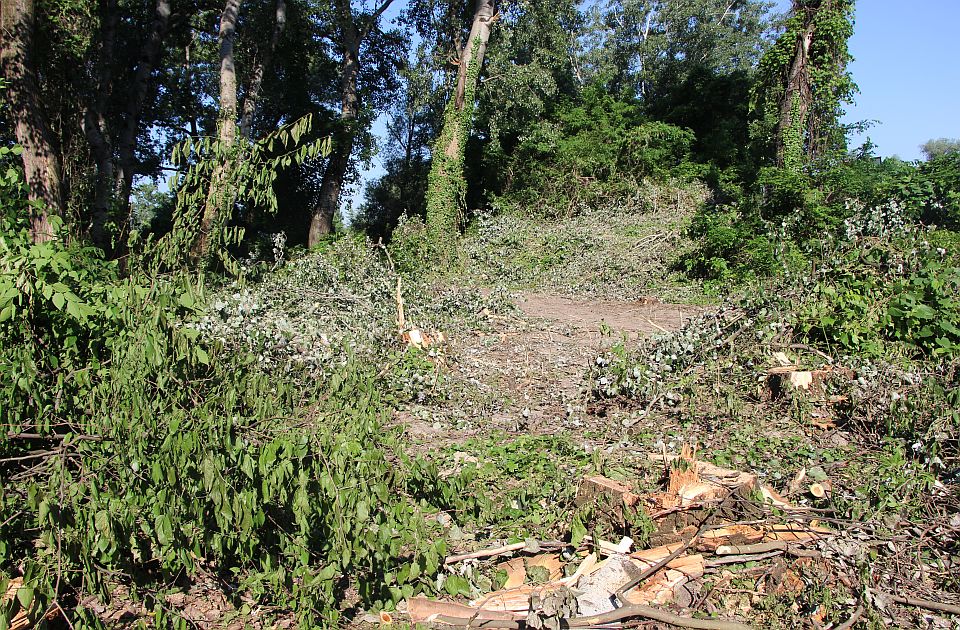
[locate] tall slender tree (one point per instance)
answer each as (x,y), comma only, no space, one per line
(114,133)
(262,64)
(353,32)
(219,196)
(642,45)
(803,83)
(446,186)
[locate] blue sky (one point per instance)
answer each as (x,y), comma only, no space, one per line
(908,69)
(907,64)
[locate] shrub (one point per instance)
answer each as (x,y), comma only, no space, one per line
(931,193)
(136,449)
(593,149)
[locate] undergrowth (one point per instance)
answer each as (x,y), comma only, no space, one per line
(618,250)
(877,308)
(148,440)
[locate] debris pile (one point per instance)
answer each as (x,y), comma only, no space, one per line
(707,517)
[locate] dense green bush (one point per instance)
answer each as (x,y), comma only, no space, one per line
(894,290)
(784,216)
(137,451)
(594,148)
(931,193)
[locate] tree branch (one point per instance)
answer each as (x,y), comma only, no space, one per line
(373,19)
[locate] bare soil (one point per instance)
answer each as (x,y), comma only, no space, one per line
(528,372)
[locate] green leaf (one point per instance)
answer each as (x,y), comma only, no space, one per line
(922,311)
(578,531)
(457,585)
(59,301)
(164,530)
(25,596)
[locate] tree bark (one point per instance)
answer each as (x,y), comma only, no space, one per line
(260,68)
(95,127)
(446,187)
(218,196)
(127,144)
(41,161)
(471,56)
(797,95)
(331,186)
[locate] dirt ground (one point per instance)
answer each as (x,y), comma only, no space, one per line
(527,373)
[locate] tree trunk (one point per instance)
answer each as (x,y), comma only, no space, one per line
(471,57)
(41,161)
(331,186)
(95,128)
(262,65)
(446,187)
(127,145)
(218,195)
(797,99)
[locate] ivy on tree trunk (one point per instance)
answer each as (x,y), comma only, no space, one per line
(446,187)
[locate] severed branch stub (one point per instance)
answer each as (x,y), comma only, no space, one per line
(530,545)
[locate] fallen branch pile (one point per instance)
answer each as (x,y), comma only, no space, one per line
(604,583)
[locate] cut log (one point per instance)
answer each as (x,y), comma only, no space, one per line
(423,610)
(597,485)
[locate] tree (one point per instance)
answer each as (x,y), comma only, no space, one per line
(531,67)
(353,32)
(41,160)
(645,46)
(803,83)
(410,128)
(263,61)
(114,135)
(219,195)
(446,185)
(934,148)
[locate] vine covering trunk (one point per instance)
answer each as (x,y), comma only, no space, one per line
(795,104)
(802,84)
(446,186)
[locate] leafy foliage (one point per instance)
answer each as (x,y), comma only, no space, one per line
(931,193)
(591,148)
(616,245)
(934,148)
(135,449)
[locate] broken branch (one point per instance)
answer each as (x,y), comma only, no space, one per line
(499,551)
(648,612)
(776,545)
(926,603)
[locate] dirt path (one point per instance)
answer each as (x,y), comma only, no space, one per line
(633,319)
(527,374)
